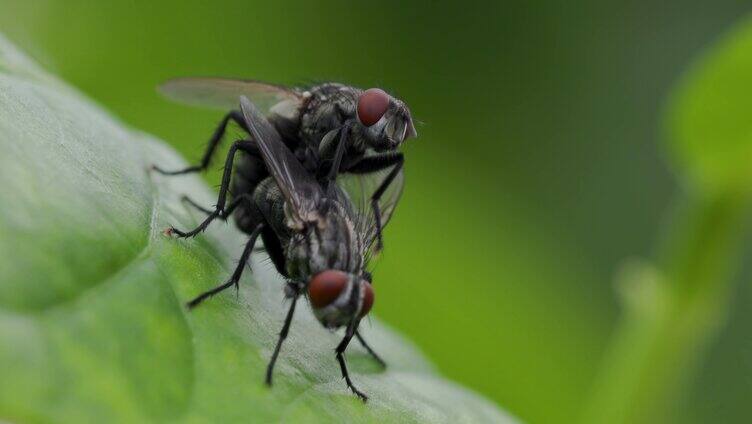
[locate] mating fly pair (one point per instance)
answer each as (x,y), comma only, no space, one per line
(319,178)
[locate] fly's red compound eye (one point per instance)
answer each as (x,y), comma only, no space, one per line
(372,105)
(325,287)
(367,299)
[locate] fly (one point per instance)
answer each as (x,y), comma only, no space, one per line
(320,236)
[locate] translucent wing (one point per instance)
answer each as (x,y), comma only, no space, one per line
(223,93)
(299,188)
(359,189)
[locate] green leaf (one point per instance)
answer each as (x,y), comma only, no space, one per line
(676,308)
(710,116)
(92,322)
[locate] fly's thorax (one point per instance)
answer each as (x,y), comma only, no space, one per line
(327,107)
(328,240)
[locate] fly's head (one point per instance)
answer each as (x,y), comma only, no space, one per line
(384,122)
(338,298)
(378,120)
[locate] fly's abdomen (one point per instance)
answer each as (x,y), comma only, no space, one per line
(249,172)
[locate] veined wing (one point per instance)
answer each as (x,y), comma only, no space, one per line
(300,189)
(223,93)
(359,189)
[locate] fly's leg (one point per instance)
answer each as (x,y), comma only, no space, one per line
(377,163)
(247,146)
(340,353)
(368,348)
(235,277)
(211,147)
(282,337)
(344,139)
(188,200)
(226,213)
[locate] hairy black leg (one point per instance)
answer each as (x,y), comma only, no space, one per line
(373,164)
(235,277)
(245,197)
(193,203)
(344,139)
(211,147)
(368,348)
(245,145)
(340,352)
(282,337)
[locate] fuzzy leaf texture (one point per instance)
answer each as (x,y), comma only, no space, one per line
(93,326)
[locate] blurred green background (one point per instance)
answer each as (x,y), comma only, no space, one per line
(537,170)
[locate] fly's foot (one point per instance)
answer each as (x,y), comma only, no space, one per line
(362,396)
(172,231)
